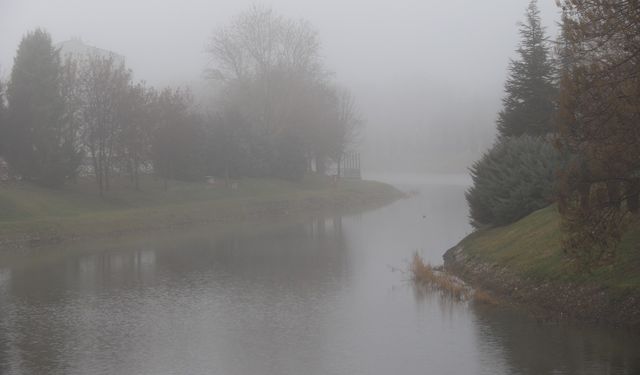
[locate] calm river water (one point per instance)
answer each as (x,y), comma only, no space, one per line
(324,295)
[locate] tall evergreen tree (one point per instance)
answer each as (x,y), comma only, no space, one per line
(517,175)
(513,179)
(530,89)
(40,145)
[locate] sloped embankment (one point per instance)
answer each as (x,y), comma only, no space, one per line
(524,263)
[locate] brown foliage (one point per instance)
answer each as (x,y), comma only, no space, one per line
(599,124)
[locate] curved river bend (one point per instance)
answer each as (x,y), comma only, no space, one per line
(314,296)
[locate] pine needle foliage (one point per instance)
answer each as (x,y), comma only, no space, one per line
(39,145)
(511,180)
(529,103)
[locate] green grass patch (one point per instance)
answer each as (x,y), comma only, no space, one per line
(78,209)
(532,248)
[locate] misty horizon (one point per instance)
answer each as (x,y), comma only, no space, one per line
(411,66)
(288,187)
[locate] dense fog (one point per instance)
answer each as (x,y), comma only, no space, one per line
(320,187)
(427,76)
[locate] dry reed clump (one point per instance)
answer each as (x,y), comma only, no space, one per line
(435,277)
(484,298)
(421,271)
(425,273)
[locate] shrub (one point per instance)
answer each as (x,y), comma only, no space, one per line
(514,178)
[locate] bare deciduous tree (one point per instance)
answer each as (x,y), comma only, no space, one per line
(138,122)
(104,85)
(349,122)
(274,76)
(598,125)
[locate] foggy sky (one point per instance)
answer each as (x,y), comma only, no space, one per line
(415,66)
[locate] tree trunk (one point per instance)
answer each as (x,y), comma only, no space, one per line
(97,172)
(633,193)
(613,193)
(226,175)
(585,195)
(320,167)
(136,174)
(107,183)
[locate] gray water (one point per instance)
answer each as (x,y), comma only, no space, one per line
(323,295)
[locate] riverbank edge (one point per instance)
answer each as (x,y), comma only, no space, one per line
(547,300)
(60,231)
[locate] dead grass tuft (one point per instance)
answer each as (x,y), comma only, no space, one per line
(434,277)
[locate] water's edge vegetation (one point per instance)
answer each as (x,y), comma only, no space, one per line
(31,216)
(524,262)
(438,279)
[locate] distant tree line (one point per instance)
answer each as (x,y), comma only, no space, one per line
(585,101)
(85,112)
(278,114)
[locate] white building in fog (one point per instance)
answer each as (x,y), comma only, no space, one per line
(79,50)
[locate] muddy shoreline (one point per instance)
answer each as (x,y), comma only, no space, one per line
(548,301)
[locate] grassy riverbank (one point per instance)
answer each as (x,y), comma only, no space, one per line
(31,215)
(524,261)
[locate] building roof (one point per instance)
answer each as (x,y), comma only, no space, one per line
(77,49)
